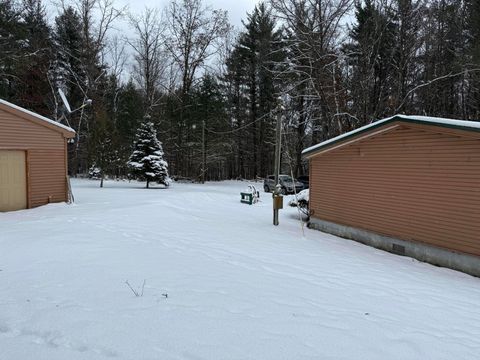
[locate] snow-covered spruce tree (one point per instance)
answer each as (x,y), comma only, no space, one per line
(146,162)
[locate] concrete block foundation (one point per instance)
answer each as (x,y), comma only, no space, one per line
(431,254)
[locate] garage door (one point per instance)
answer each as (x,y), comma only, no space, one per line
(13,180)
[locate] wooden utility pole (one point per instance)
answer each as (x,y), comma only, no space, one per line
(278,147)
(204,156)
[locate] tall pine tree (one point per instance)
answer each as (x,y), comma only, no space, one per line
(34,91)
(251,70)
(370,57)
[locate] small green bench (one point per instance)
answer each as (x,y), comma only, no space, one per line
(246,198)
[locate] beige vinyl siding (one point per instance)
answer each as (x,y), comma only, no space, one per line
(46,157)
(47,176)
(408,183)
(16,132)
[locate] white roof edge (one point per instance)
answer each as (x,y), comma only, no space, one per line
(425,119)
(38,116)
(438,120)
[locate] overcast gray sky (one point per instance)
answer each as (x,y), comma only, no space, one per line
(237,9)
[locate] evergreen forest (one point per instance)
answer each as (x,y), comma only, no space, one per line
(213,92)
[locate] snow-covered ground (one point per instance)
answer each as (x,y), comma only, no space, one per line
(238,287)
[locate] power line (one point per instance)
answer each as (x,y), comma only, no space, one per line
(240,128)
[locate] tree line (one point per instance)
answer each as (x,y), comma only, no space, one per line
(213,92)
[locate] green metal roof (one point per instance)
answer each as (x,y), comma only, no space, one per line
(423,120)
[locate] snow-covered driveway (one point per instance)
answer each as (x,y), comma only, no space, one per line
(221,283)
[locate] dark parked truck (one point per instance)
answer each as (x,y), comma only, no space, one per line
(288,185)
(305,180)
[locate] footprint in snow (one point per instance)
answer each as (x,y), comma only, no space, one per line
(4,329)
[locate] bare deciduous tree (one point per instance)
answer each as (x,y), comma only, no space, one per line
(192,34)
(314,30)
(150,63)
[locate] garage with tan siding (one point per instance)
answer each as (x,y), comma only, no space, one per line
(406,184)
(33,159)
